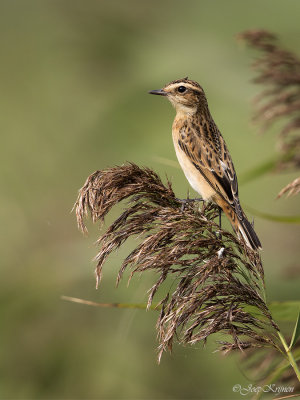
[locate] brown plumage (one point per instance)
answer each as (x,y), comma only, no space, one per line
(203,154)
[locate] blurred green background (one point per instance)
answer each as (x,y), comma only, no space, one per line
(74,77)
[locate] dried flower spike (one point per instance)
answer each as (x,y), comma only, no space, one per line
(217,280)
(279,71)
(291,189)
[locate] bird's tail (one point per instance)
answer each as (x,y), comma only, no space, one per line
(246,230)
(242,226)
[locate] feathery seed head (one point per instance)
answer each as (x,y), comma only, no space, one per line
(216,280)
(184,94)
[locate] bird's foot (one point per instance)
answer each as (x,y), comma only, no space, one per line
(184,202)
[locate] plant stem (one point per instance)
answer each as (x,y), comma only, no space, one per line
(290,356)
(112,305)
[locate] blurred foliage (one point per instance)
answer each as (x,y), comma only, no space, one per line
(74,80)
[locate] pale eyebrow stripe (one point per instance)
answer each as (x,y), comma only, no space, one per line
(188,85)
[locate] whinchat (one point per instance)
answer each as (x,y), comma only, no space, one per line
(203,155)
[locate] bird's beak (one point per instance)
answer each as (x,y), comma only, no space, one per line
(159,92)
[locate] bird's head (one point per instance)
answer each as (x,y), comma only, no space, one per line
(185,95)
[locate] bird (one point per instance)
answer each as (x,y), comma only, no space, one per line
(203,154)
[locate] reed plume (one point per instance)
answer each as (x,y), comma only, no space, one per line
(217,280)
(278,70)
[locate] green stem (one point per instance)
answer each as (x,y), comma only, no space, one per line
(290,356)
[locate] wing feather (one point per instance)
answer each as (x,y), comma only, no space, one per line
(214,163)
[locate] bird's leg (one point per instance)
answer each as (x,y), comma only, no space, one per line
(219,235)
(220,217)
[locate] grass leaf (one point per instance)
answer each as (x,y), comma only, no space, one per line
(285,219)
(259,170)
(296,332)
(284,311)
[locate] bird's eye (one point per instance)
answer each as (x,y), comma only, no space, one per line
(181,89)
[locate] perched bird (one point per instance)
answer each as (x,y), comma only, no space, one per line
(203,154)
